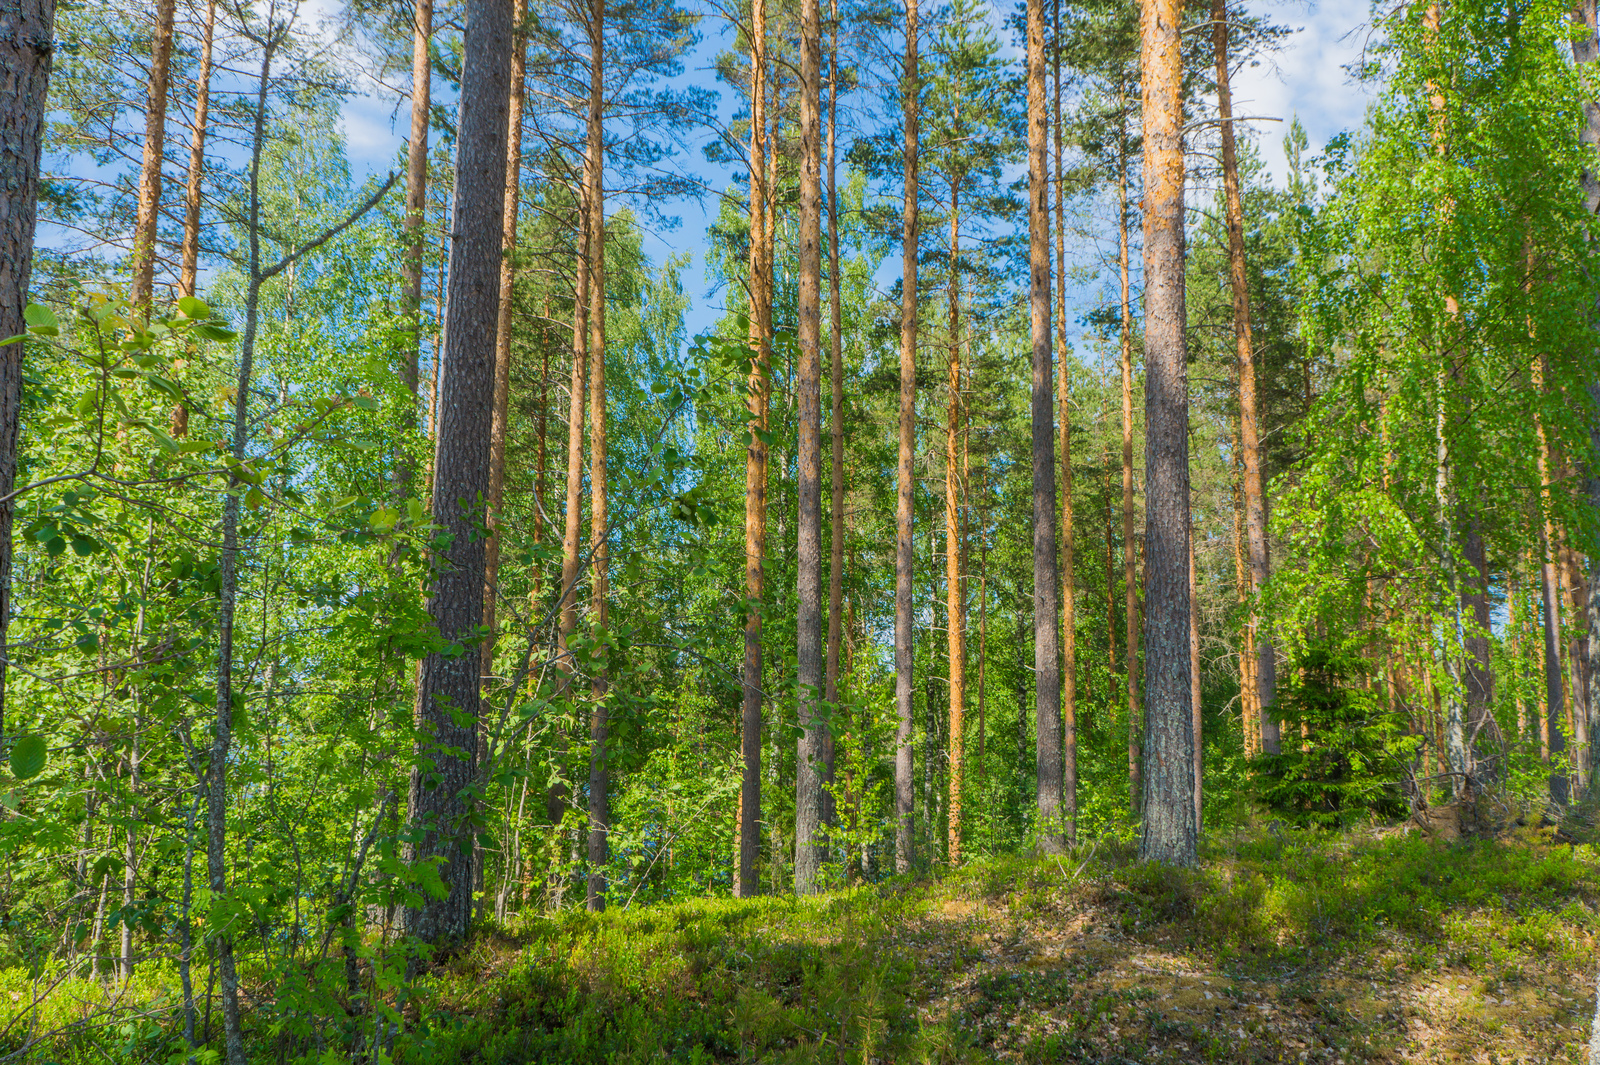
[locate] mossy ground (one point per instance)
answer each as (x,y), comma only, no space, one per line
(1281,947)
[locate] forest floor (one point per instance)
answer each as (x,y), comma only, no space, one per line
(1373,946)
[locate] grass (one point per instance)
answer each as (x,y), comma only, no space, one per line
(1282,947)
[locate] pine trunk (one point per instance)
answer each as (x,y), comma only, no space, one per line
(189,265)
(954,629)
(599,530)
(1130,553)
(26,35)
(1169,826)
(1069,597)
(905,483)
(746,882)
(1263,671)
(808,846)
(417,183)
(148,213)
(1046,579)
(448,688)
(836,424)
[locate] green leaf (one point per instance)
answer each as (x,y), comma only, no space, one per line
(366,402)
(161,384)
(212,331)
(27,755)
(84,546)
(193,308)
(255,498)
(41,320)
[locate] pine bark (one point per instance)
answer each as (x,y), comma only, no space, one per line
(1046,578)
(26,48)
(1069,611)
(836,424)
(905,484)
(189,255)
(1168,834)
(416,185)
(1130,549)
(148,215)
(746,883)
(448,688)
(502,342)
(1264,669)
(955,629)
(599,530)
(809,851)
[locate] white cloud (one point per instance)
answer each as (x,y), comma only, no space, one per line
(1307,76)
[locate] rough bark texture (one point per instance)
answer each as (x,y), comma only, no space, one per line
(1586,48)
(155,147)
(1195,706)
(502,339)
(599,529)
(1046,586)
(1263,670)
(189,261)
(1168,834)
(448,688)
(1069,611)
(1483,733)
(905,484)
(746,883)
(1550,598)
(836,423)
(1130,548)
(955,628)
(26,34)
(808,849)
(417,183)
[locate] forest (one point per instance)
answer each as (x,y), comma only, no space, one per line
(796,531)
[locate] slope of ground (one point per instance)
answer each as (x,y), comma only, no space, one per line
(1283,947)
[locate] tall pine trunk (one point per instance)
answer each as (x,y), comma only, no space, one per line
(1130,551)
(1046,586)
(148,214)
(808,847)
(448,687)
(1168,834)
(905,479)
(26,41)
(836,424)
(1263,670)
(189,255)
(417,184)
(1069,597)
(599,530)
(755,467)
(955,629)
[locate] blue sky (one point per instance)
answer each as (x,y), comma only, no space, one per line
(1306,77)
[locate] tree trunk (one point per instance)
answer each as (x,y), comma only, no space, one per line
(189,268)
(155,145)
(1194,682)
(809,851)
(448,688)
(1069,611)
(572,520)
(599,530)
(1585,50)
(1264,672)
(836,423)
(1550,593)
(502,344)
(746,883)
(905,483)
(1169,827)
(955,630)
(1485,743)
(26,46)
(1046,579)
(417,182)
(1130,552)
